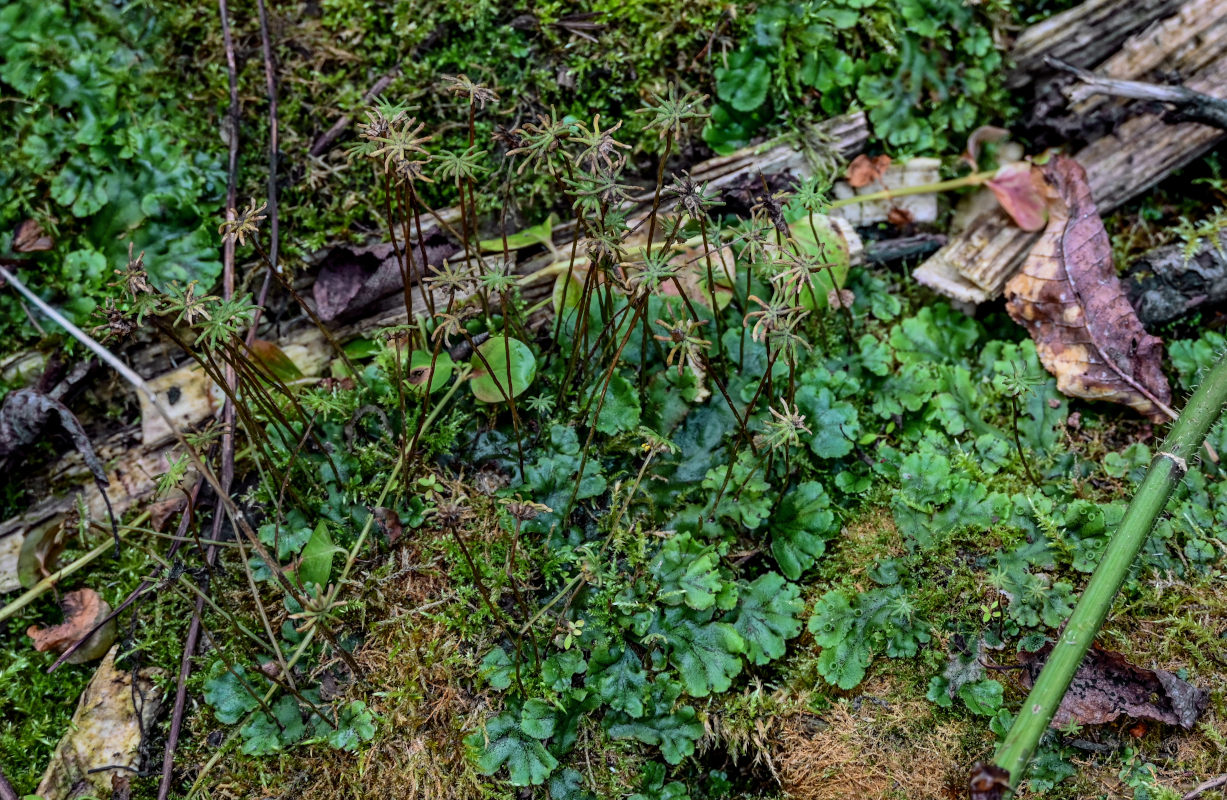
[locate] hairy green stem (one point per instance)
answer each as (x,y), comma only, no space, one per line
(1167,469)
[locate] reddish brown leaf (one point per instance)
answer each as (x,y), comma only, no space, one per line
(1069,299)
(1107,687)
(899,217)
(865,170)
(1020,197)
(83,609)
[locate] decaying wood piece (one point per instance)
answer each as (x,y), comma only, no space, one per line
(1084,35)
(137,455)
(908,208)
(974,265)
(1174,280)
(830,141)
(1069,299)
(112,718)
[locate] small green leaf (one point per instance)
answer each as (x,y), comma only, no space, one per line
(361,348)
(229,693)
(537,719)
(743,84)
(505,744)
(489,383)
(537,234)
(688,572)
(674,730)
(768,614)
(983,698)
(265,735)
(618,678)
(800,528)
(568,291)
(620,411)
(497,669)
(705,654)
(834,422)
(559,668)
(355,724)
(315,567)
(420,370)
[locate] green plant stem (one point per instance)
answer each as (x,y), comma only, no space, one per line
(974,179)
(39,589)
(1167,469)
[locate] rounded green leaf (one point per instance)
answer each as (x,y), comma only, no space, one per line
(491,368)
(419,372)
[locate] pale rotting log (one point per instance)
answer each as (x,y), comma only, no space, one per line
(1084,35)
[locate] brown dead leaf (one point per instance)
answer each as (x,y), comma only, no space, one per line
(1016,189)
(844,298)
(1069,299)
(105,736)
(83,609)
(29,237)
(389,523)
(273,359)
(352,278)
(865,170)
(1107,686)
(900,217)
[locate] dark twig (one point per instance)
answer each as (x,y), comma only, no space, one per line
(227,476)
(270,80)
(1191,106)
(1202,788)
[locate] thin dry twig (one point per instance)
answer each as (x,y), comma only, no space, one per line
(1206,786)
(1191,106)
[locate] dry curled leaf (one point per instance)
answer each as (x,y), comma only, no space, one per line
(865,170)
(844,298)
(113,716)
(389,523)
(1016,189)
(1107,686)
(980,136)
(1068,297)
(83,609)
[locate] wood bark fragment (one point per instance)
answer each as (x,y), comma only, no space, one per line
(1084,35)
(1174,280)
(974,265)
